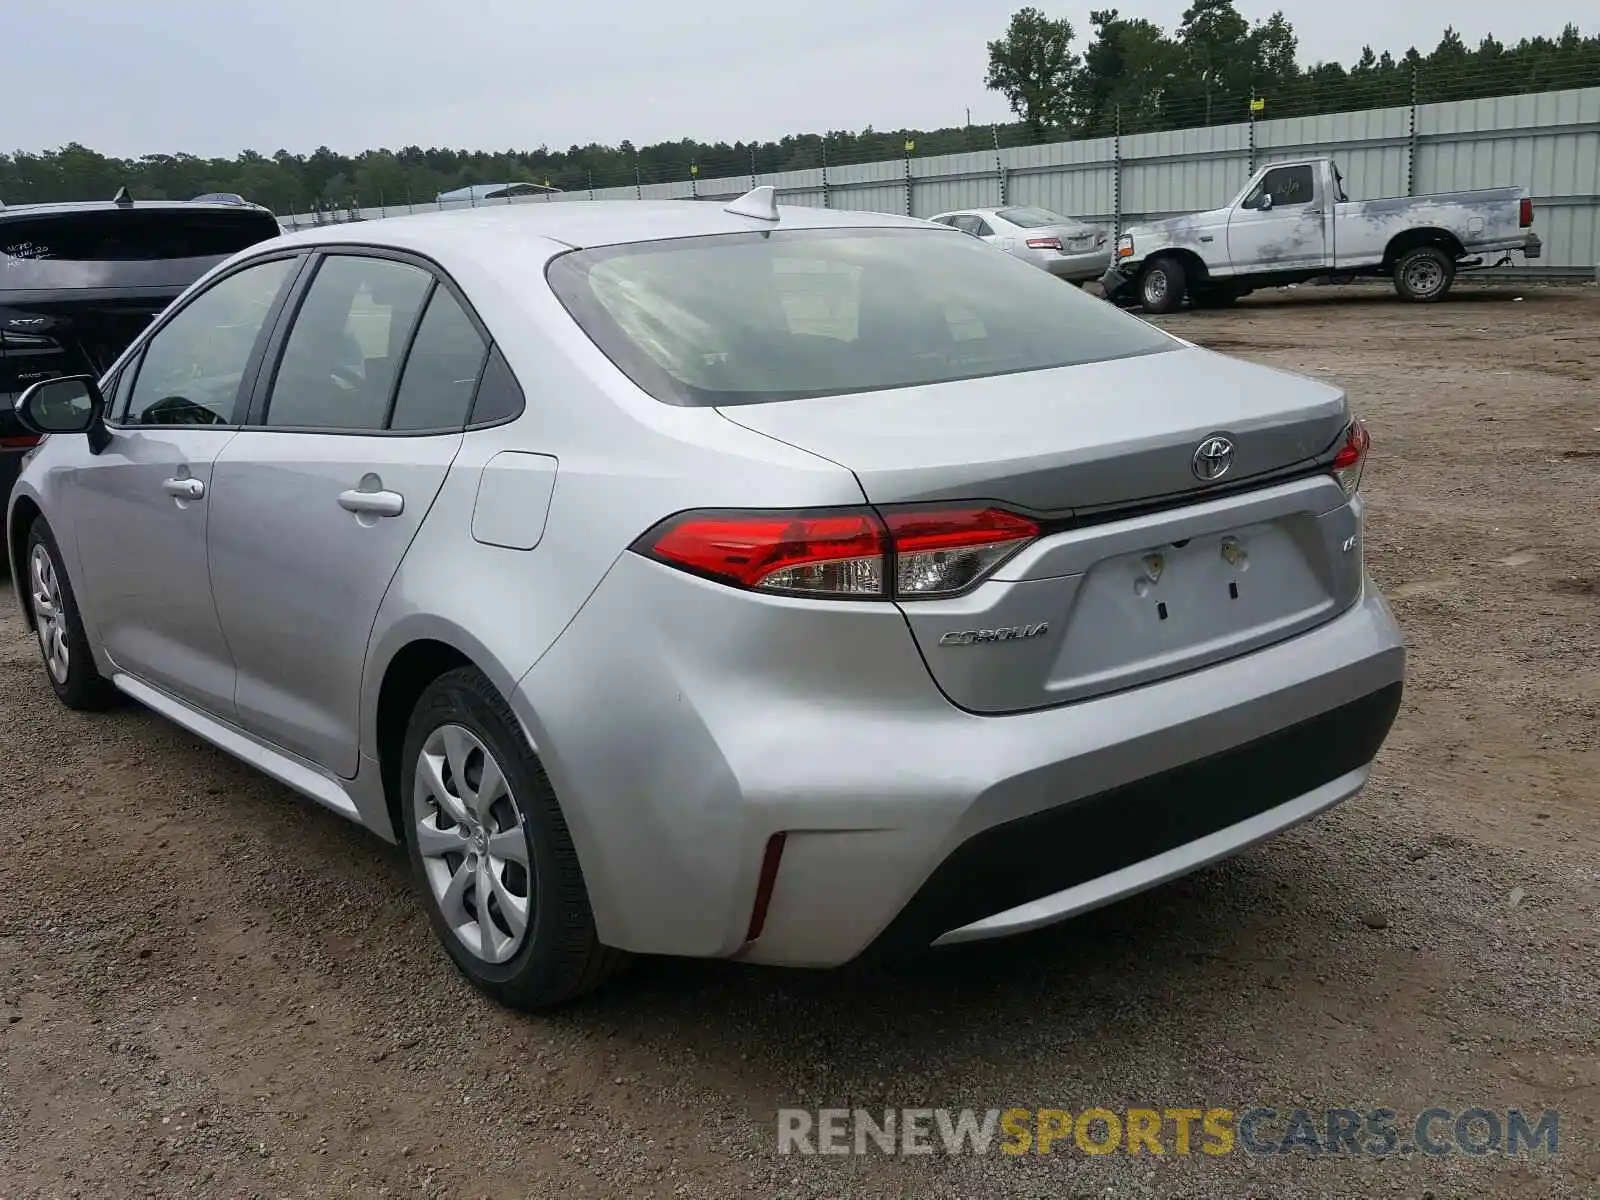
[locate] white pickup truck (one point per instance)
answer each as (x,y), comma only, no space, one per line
(1292,222)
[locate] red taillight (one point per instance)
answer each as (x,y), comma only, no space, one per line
(19,441)
(854,554)
(1051,243)
(830,553)
(1527,212)
(1352,457)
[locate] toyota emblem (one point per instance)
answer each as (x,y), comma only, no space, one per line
(1212,458)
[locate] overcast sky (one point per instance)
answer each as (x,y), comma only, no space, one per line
(212,77)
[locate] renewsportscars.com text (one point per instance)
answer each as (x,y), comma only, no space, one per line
(1261,1130)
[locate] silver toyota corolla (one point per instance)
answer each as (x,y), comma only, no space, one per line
(788,585)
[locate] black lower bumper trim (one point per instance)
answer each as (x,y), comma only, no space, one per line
(1058,848)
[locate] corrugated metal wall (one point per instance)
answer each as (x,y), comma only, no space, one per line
(1549,142)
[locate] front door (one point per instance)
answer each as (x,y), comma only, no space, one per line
(318,500)
(1290,234)
(142,505)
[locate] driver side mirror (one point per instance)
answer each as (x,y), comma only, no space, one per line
(67,404)
(1266,202)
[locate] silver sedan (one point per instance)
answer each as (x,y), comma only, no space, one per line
(1067,248)
(786,585)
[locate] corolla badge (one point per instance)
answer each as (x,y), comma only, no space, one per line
(1212,458)
(1008,633)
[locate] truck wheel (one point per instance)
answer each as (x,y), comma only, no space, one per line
(1424,275)
(1162,286)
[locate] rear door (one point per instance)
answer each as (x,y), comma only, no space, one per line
(318,499)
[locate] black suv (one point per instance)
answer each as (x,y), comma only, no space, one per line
(79,281)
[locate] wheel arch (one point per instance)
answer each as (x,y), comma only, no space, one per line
(1410,239)
(24,512)
(1194,267)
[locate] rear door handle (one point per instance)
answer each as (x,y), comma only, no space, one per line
(377,504)
(184,489)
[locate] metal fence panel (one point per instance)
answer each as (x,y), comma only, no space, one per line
(1548,142)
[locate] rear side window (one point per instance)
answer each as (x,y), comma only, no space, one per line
(343,353)
(499,395)
(746,318)
(442,369)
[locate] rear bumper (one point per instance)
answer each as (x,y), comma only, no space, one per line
(683,724)
(1089,264)
(1060,861)
(1533,247)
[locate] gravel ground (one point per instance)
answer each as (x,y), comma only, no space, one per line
(211,988)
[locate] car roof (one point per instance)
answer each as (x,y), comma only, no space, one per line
(577,225)
(69,207)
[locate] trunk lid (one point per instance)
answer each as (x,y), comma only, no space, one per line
(1075,236)
(1089,437)
(1145,572)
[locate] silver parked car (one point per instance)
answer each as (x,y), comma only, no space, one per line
(786,585)
(1069,249)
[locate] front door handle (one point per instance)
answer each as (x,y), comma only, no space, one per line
(184,489)
(376,504)
(1206,237)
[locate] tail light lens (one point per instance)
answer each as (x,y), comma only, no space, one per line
(1352,457)
(1526,214)
(944,551)
(854,554)
(1044,243)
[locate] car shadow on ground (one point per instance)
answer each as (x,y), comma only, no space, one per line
(1373,296)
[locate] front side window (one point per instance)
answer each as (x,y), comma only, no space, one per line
(1288,186)
(192,368)
(342,356)
(746,318)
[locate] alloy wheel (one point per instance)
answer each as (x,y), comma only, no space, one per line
(49,614)
(469,832)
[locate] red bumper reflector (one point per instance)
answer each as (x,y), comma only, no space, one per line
(19,441)
(764,886)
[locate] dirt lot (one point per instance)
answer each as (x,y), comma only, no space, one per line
(211,988)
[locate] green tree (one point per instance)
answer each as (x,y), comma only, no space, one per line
(1126,72)
(1034,67)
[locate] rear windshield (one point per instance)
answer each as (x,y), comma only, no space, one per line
(1032,218)
(751,317)
(114,248)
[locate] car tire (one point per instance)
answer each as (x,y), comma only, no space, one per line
(531,942)
(1424,275)
(68,662)
(1162,285)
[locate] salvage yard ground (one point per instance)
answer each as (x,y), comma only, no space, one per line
(209,987)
